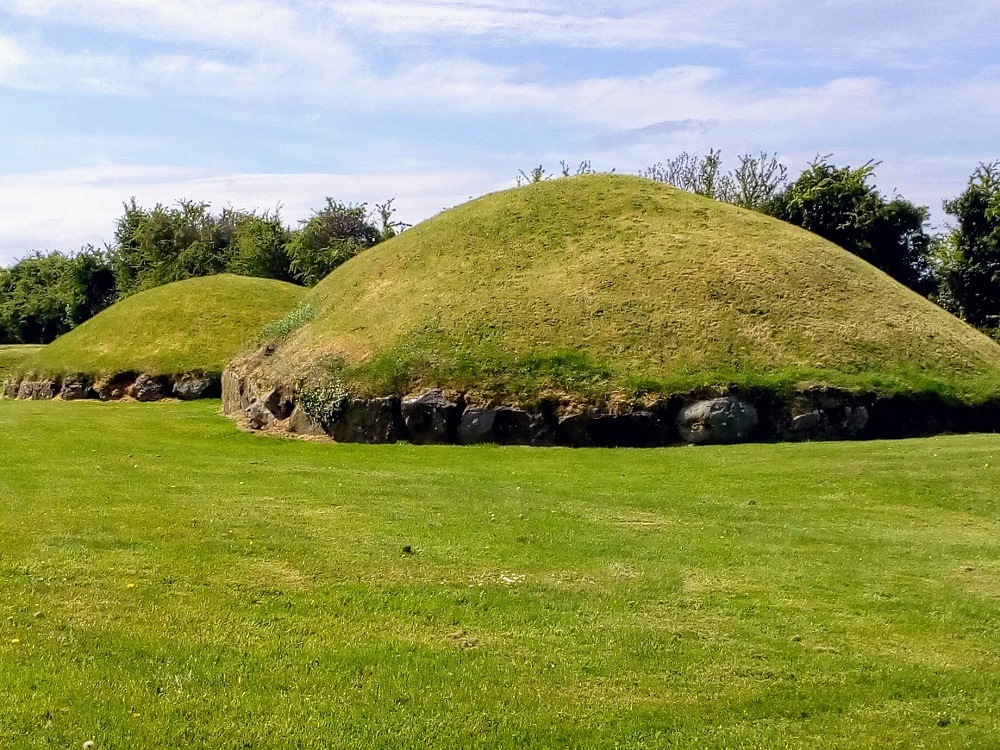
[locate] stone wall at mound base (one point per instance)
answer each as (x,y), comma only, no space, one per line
(138,386)
(437,416)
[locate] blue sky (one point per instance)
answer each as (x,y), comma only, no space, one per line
(256,103)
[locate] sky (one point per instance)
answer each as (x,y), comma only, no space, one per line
(276,104)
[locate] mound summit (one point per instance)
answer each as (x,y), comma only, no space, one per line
(609,296)
(184,332)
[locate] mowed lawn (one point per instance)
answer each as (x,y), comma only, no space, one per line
(167,581)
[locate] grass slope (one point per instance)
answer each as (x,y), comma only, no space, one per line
(608,283)
(166,581)
(192,325)
(12,355)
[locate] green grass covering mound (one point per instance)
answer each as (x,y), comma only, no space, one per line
(12,355)
(192,325)
(604,285)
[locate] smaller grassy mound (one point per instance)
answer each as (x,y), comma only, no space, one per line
(12,355)
(188,326)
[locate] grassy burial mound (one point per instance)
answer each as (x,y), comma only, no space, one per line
(171,340)
(609,296)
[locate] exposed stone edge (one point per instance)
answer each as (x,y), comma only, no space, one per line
(123,385)
(437,416)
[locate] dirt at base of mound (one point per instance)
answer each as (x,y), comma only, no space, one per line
(117,387)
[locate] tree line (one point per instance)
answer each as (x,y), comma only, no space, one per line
(46,294)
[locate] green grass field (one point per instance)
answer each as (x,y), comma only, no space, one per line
(167,581)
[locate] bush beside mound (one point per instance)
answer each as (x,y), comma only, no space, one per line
(171,341)
(613,302)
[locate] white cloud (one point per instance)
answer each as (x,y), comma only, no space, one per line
(685,94)
(39,68)
(66,209)
(476,88)
(211,77)
(42,68)
(233,43)
(897,32)
(12,56)
(244,25)
(589,25)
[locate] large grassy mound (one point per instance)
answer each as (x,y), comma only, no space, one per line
(192,325)
(604,285)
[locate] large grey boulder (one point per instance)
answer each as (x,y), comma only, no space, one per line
(275,405)
(258,416)
(431,417)
(855,421)
(638,429)
(37,390)
(847,423)
(376,420)
(239,388)
(519,427)
(149,388)
(279,402)
(76,388)
(573,430)
(10,388)
(504,425)
(236,397)
(476,425)
(301,423)
(192,386)
(718,420)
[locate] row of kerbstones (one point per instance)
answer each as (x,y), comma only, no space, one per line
(141,387)
(439,417)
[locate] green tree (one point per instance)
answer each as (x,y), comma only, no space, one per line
(128,256)
(753,185)
(840,204)
(331,236)
(163,244)
(758,181)
(969,256)
(46,294)
(260,246)
(91,280)
(33,299)
(701,175)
